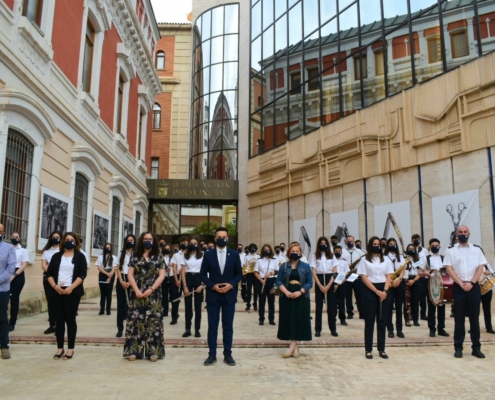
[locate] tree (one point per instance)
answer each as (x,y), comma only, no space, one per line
(203,229)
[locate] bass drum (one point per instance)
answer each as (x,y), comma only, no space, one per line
(448,285)
(435,288)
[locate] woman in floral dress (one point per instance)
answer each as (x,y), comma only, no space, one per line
(144,329)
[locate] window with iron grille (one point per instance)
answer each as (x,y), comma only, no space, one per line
(80,214)
(17,185)
(138,224)
(115,225)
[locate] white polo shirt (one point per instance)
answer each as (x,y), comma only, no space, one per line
(464,260)
(48,254)
(375,270)
(21,254)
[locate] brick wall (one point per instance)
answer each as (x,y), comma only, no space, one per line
(108,76)
(167,45)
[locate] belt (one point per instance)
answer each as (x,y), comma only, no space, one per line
(192,273)
(412,276)
(271,277)
(294,282)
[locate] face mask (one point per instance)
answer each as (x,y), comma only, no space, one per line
(435,249)
(358,246)
(392,249)
(334,243)
(463,238)
(55,241)
(376,249)
(221,242)
(278,252)
(246,251)
(15,242)
(166,251)
(294,256)
(204,248)
(69,244)
(416,242)
(266,253)
(282,248)
(384,244)
(239,250)
(148,244)
(252,249)
(210,248)
(411,253)
(350,244)
(129,245)
(323,247)
(193,247)
(176,250)
(338,255)
(162,244)
(183,246)
(105,250)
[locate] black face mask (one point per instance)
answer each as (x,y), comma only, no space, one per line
(282,248)
(69,244)
(107,250)
(252,249)
(338,255)
(166,251)
(277,251)
(463,238)
(358,246)
(435,249)
(161,244)
(183,246)
(411,253)
(129,245)
(392,249)
(416,242)
(266,253)
(294,256)
(55,241)
(176,250)
(193,247)
(334,243)
(204,248)
(376,249)
(14,242)
(323,247)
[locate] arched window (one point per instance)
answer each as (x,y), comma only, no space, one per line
(115,232)
(80,213)
(17,185)
(160,60)
(157,116)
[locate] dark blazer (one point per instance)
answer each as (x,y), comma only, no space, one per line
(211,274)
(80,269)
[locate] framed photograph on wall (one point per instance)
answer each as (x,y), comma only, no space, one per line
(128,227)
(53,215)
(100,235)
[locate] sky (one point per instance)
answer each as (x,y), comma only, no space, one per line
(171,10)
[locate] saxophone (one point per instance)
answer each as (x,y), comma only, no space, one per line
(395,275)
(353,266)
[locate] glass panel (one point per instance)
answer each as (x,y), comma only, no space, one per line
(198,24)
(328,9)
(457,31)
(281,34)
(292,2)
(215,106)
(348,21)
(194,219)
(165,219)
(421,5)
(394,8)
(280,124)
(205,50)
(206,80)
(255,134)
(486,10)
(295,23)
(351,84)
(374,85)
(222,164)
(399,60)
(231,104)
(268,46)
(232,18)
(206,30)
(256,20)
(267,13)
(312,103)
(280,7)
(217,50)
(216,77)
(198,166)
(256,54)
(310,16)
(267,137)
(230,76)
(231,48)
(371,26)
(217,21)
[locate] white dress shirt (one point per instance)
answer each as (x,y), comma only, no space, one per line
(242,256)
(193,265)
(435,262)
(464,260)
(178,260)
(264,266)
(342,266)
(222,258)
(106,268)
(375,270)
(167,263)
(48,254)
(125,267)
(351,255)
(22,255)
(87,257)
(323,265)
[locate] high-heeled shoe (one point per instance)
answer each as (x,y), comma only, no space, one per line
(67,357)
(288,354)
(58,356)
(296,353)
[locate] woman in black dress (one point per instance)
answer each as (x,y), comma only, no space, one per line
(144,328)
(294,280)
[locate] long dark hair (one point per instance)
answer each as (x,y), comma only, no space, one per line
(107,258)
(199,253)
(369,254)
(415,258)
(124,250)
(269,248)
(155,251)
(77,243)
(388,244)
(49,243)
(328,252)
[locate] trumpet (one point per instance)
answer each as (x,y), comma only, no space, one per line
(398,271)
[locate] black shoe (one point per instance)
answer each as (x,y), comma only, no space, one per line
(255,308)
(432,333)
(490,331)
(49,330)
(229,360)
(477,353)
(187,333)
(317,333)
(101,312)
(273,323)
(361,316)
(11,328)
(383,354)
(401,335)
(197,334)
(350,316)
(424,318)
(408,324)
(416,323)
(262,322)
(109,313)
(443,333)
(458,354)
(119,334)
(165,315)
(248,308)
(369,356)
(210,360)
(173,322)
(334,333)
(343,323)
(451,315)
(391,335)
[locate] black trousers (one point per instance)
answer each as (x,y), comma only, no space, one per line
(49,294)
(265,296)
(165,295)
(374,310)
(244,289)
(415,291)
(66,310)
(358,286)
(423,296)
(174,294)
(106,292)
(486,302)
(249,291)
(193,281)
(467,303)
(122,303)
(330,299)
(341,295)
(15,294)
(396,296)
(435,312)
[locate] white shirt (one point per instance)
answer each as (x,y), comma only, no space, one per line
(264,266)
(48,254)
(342,266)
(167,262)
(22,255)
(65,272)
(193,264)
(87,257)
(242,256)
(107,268)
(464,260)
(323,265)
(376,271)
(396,261)
(125,267)
(250,257)
(178,260)
(222,258)
(304,259)
(435,262)
(422,255)
(351,255)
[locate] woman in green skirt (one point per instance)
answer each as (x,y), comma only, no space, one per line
(294,280)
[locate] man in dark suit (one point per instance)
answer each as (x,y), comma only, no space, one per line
(221,272)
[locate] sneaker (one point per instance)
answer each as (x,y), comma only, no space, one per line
(49,330)
(5,354)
